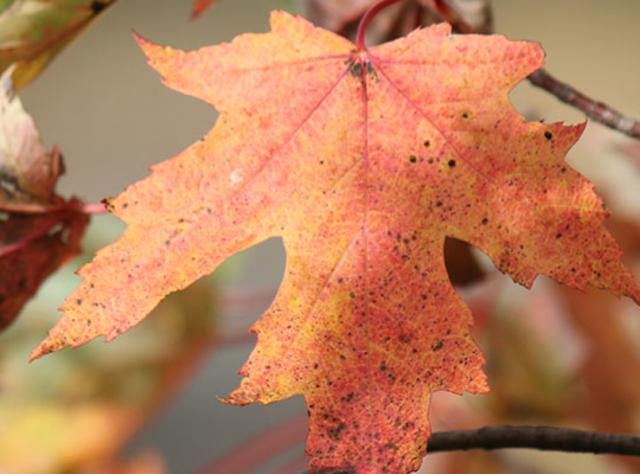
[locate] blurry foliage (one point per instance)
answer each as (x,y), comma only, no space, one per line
(75,412)
(33,32)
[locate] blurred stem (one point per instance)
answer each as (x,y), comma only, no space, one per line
(259,449)
(94,208)
(366,19)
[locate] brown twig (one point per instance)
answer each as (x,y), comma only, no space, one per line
(545,438)
(596,110)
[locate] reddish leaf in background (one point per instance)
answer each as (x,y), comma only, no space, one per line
(363,162)
(38,229)
(343,16)
(32,247)
(336,15)
(199,7)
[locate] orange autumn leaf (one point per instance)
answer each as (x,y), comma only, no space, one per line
(363,162)
(199,7)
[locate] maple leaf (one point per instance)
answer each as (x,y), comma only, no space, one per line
(199,7)
(38,229)
(363,162)
(33,32)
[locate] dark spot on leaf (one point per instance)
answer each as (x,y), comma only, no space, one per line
(548,135)
(408,425)
(427,143)
(485,221)
(356,69)
(465,115)
(437,346)
(413,158)
(452,163)
(336,432)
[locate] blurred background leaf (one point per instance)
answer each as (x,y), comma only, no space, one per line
(33,32)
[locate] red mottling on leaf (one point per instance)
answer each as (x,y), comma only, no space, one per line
(364,162)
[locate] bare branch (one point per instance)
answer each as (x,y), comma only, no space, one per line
(598,111)
(545,438)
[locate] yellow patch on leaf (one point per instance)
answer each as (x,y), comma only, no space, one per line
(363,162)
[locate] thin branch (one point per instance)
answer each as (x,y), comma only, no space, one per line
(546,438)
(596,110)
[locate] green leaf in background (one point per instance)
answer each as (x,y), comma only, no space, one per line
(32,32)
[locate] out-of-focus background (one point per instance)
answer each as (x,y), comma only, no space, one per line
(555,356)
